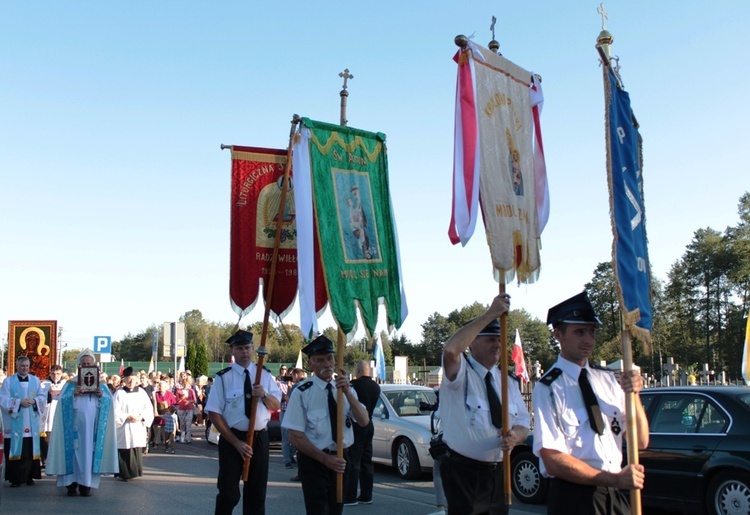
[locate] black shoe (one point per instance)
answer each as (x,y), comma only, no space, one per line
(15,485)
(362,501)
(30,482)
(295,478)
(85,491)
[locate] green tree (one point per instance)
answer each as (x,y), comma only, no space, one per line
(200,367)
(134,347)
(190,358)
(538,343)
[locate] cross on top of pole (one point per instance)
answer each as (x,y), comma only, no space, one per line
(603,13)
(346,75)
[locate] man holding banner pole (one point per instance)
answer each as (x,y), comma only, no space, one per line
(580,420)
(314,424)
(473,418)
(229,406)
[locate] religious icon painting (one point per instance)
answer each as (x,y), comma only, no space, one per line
(356,216)
(36,339)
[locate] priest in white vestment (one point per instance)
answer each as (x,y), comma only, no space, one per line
(83,445)
(134,414)
(22,402)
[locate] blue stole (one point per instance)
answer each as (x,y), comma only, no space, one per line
(16,424)
(70,431)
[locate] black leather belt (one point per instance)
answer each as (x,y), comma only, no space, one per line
(243,434)
(332,452)
(469,462)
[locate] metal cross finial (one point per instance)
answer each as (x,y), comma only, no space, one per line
(492,27)
(601,11)
(346,75)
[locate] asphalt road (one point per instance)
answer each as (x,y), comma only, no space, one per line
(185,483)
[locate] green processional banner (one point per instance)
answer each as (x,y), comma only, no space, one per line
(354,221)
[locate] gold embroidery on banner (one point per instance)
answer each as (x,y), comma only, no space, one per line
(349,147)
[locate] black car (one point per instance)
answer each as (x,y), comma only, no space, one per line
(698,458)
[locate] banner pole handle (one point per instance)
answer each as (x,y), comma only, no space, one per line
(262,351)
(340,416)
(504,398)
(632,426)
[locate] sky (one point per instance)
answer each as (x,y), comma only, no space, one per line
(115,192)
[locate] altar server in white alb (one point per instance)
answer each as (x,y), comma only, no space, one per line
(133,413)
(83,445)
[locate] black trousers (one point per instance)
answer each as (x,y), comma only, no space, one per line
(230,473)
(319,486)
(360,470)
(25,469)
(473,487)
(565,497)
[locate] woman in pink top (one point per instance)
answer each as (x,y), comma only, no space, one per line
(186,400)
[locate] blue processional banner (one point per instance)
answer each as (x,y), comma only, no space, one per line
(630,246)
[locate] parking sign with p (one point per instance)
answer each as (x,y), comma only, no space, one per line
(102,344)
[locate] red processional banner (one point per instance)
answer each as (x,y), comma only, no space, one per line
(257,177)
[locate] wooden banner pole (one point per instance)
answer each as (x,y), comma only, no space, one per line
(340,415)
(262,351)
(504,398)
(632,428)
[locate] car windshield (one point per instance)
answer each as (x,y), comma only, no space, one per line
(409,403)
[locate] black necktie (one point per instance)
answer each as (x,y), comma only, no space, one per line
(248,395)
(332,412)
(496,412)
(592,406)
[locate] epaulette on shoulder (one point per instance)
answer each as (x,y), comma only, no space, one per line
(514,377)
(550,376)
(599,367)
(223,371)
(304,386)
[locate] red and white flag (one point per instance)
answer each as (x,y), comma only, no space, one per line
(122,367)
(540,166)
(465,205)
(519,360)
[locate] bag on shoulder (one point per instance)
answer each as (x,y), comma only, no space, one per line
(438,447)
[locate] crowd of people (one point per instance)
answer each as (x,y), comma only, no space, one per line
(80,429)
(86,424)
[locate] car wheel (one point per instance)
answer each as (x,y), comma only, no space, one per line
(405,459)
(526,479)
(729,493)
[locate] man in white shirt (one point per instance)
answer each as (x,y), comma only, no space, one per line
(471,416)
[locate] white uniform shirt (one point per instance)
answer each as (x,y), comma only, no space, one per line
(561,422)
(307,411)
(227,397)
(465,412)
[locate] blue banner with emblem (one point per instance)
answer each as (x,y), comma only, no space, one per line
(625,176)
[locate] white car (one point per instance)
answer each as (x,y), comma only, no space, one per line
(402,428)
